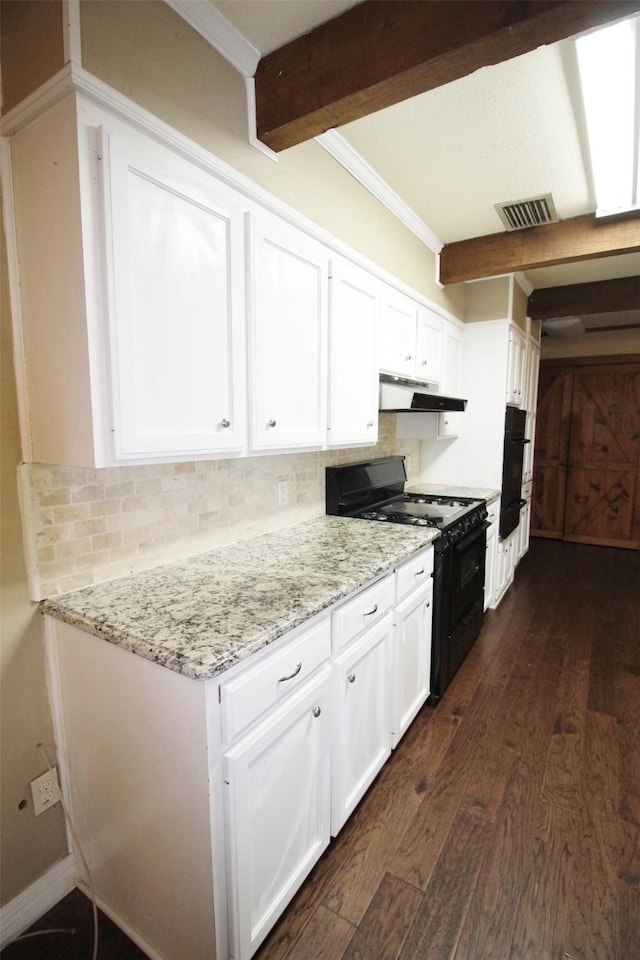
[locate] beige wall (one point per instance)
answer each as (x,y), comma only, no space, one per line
(29,845)
(32,46)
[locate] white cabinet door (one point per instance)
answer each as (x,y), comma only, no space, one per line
(411,658)
(175,291)
(430,346)
(505,565)
(288,313)
(516,367)
(277,781)
(362,741)
(353,370)
(397,352)
(492,547)
(449,423)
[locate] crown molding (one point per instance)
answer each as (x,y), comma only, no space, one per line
(335,144)
(219,33)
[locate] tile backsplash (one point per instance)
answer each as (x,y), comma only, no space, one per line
(83,526)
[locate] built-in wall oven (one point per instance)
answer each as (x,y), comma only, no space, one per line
(513,454)
(375,490)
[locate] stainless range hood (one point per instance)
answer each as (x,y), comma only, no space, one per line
(398,395)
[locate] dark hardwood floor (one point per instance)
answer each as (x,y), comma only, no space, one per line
(506,825)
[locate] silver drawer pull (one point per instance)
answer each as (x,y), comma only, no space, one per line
(292,675)
(317,711)
(271,423)
(419,573)
(225,422)
(371,612)
(351,678)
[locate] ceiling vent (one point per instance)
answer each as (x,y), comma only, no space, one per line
(533,212)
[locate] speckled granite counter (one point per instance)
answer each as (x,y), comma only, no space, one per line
(200,616)
(481,493)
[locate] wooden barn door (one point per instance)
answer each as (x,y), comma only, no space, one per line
(604,457)
(586,485)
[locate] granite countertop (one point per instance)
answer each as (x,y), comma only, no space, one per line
(201,616)
(479,493)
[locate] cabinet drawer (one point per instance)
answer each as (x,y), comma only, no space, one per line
(244,698)
(364,610)
(414,572)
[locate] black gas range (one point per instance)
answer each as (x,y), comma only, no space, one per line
(374,490)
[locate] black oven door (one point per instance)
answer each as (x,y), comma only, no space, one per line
(458,606)
(467,597)
(468,558)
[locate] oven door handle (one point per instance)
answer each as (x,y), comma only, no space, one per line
(477,533)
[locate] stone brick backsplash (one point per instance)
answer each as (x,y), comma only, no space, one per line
(83,526)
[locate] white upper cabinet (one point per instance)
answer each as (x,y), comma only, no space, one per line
(353,373)
(516,366)
(288,318)
(429,345)
(397,351)
(174,246)
(412,338)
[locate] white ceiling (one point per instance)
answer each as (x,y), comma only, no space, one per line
(507,132)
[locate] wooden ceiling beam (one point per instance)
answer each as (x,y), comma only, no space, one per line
(582,299)
(582,238)
(381,52)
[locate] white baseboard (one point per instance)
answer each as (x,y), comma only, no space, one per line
(18,915)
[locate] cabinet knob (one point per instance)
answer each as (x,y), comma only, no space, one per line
(317,711)
(370,424)
(424,363)
(271,423)
(225,422)
(351,678)
(407,358)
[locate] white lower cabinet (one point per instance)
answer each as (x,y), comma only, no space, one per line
(277,780)
(493,512)
(411,658)
(525,521)
(505,565)
(411,647)
(362,739)
(266,762)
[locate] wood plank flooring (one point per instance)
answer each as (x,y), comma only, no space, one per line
(506,825)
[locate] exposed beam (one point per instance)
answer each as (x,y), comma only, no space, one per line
(581,299)
(381,52)
(582,238)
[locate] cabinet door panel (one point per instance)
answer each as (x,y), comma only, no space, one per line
(397,351)
(430,357)
(288,336)
(176,304)
(362,739)
(353,370)
(278,811)
(411,656)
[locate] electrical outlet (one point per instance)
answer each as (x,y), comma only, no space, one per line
(283,493)
(45,791)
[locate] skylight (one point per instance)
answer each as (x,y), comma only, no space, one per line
(609,61)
